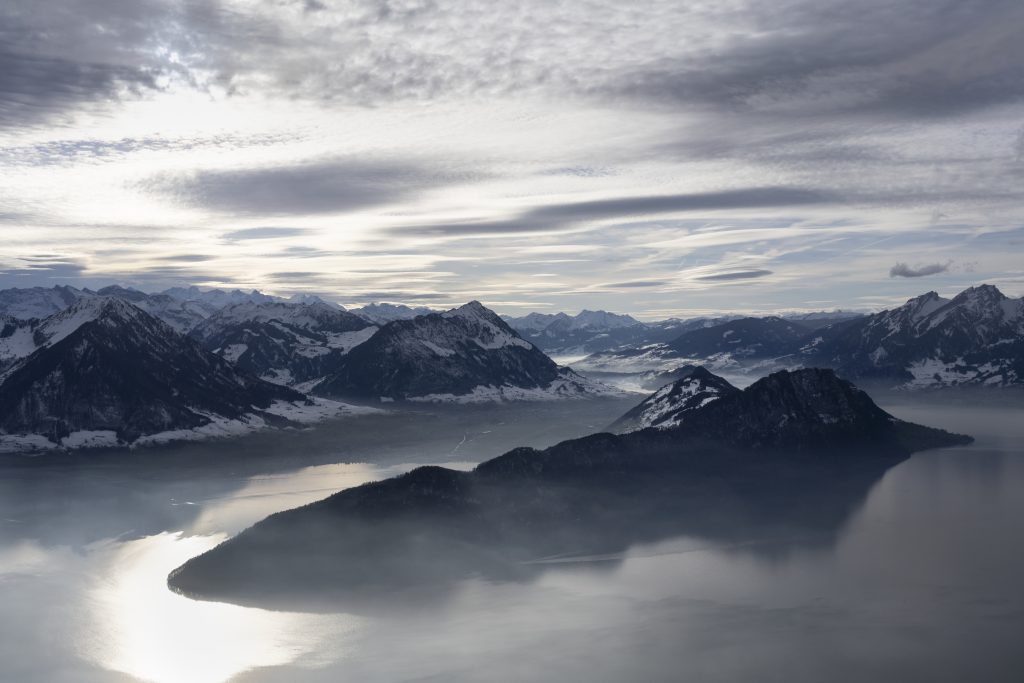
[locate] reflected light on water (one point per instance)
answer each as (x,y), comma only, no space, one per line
(141,628)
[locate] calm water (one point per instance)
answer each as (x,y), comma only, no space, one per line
(923,583)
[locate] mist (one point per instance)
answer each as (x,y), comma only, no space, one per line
(929,586)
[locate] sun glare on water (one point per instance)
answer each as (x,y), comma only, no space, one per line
(143,629)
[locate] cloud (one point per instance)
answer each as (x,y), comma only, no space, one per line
(629,284)
(310,188)
(556,217)
(734,275)
(35,88)
(186,258)
(44,267)
(904,270)
(813,58)
(262,234)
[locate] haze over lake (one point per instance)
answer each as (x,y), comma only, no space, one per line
(921,583)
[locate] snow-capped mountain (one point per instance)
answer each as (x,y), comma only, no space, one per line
(104,372)
(975,338)
(215,299)
(284,343)
(670,405)
(533,322)
(181,315)
(380,314)
(465,354)
(37,302)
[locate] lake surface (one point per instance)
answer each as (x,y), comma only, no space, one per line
(922,583)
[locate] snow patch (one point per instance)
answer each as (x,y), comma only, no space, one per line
(101,438)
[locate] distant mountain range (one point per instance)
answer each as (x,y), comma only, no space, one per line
(385,313)
(596,331)
(791,454)
(975,338)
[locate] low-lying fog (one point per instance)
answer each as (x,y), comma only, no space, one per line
(923,582)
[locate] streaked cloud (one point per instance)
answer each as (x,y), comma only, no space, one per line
(263,233)
(734,275)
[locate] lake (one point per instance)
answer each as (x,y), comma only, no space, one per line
(923,582)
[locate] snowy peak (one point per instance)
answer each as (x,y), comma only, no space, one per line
(218,298)
(474,310)
(318,316)
(109,311)
(919,307)
(485,327)
(603,320)
(985,301)
(380,313)
(38,302)
(670,405)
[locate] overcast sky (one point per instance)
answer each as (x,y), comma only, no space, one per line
(660,157)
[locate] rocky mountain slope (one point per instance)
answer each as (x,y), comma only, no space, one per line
(463,355)
(284,343)
(671,404)
(975,338)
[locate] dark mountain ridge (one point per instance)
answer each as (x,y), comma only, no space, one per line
(804,459)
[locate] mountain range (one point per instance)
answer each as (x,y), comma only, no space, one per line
(468,354)
(793,449)
(105,371)
(975,338)
(595,331)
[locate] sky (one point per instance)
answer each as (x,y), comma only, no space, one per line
(659,158)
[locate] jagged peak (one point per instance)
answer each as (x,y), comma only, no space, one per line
(980,293)
(475,309)
(86,310)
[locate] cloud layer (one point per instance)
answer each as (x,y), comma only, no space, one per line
(660,158)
